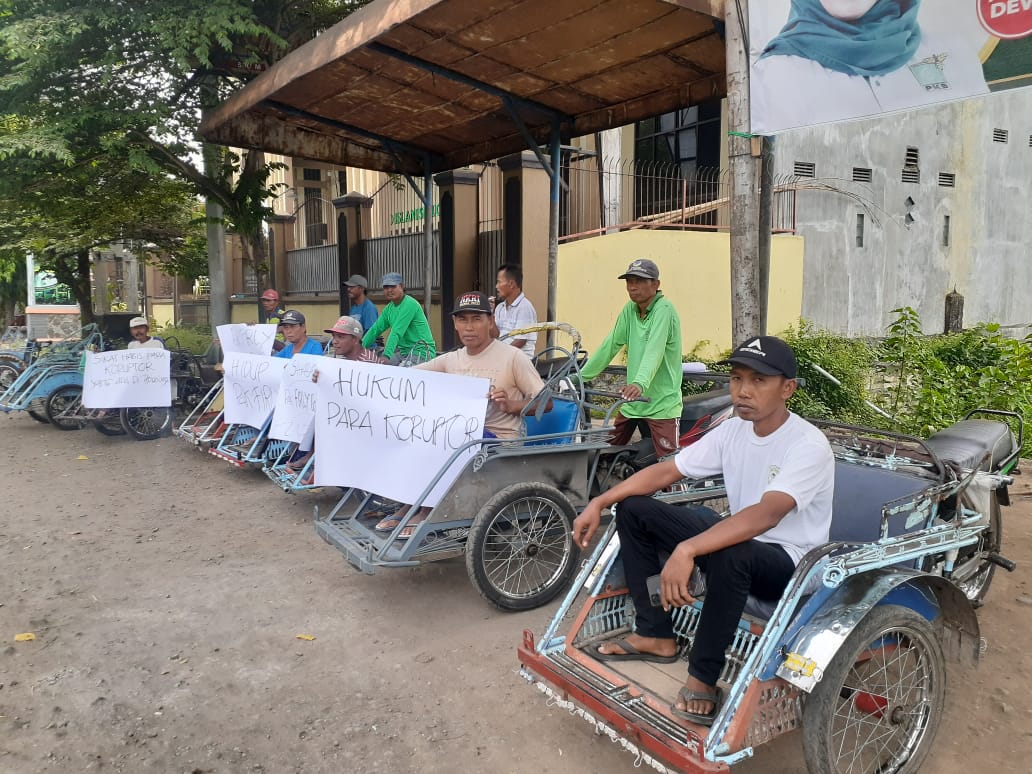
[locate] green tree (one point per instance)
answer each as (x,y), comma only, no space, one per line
(137,77)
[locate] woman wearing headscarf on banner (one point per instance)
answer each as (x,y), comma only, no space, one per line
(838,59)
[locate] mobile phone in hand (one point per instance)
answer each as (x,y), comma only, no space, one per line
(652,585)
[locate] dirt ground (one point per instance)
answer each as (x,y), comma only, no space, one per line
(165,590)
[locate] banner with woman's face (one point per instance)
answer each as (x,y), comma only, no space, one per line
(819,61)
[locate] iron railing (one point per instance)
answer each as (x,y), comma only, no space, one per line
(403,254)
(313,269)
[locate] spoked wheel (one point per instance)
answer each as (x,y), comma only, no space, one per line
(37,409)
(9,372)
(63,406)
(880,701)
(110,423)
(973,571)
(520,553)
(146,424)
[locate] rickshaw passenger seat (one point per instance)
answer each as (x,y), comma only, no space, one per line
(860,493)
(563,418)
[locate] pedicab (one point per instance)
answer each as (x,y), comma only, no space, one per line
(510,510)
(58,366)
(16,352)
(855,652)
(65,410)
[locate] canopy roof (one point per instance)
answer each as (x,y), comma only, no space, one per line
(455,82)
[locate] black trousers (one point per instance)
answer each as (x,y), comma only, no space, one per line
(648,527)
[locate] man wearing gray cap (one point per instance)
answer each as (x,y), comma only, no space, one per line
(648,326)
(404,317)
(362,309)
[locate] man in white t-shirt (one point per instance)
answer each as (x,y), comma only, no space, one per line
(139,329)
(780,473)
(513,310)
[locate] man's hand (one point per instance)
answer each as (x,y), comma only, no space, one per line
(315,376)
(631,392)
(673,581)
(504,403)
(586,525)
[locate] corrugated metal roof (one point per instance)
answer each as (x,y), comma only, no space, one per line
(406,69)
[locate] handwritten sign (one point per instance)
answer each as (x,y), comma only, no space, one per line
(247,339)
(294,416)
(250,386)
(127,378)
(391,430)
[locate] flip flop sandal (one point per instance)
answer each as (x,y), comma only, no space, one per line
(688,696)
(387,524)
(630,653)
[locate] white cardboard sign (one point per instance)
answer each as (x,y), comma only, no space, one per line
(247,339)
(251,383)
(391,430)
(127,378)
(294,417)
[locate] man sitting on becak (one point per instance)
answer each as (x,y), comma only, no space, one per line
(514,380)
(139,329)
(779,472)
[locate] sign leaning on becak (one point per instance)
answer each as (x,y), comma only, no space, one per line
(247,339)
(819,61)
(392,430)
(127,378)
(250,386)
(294,416)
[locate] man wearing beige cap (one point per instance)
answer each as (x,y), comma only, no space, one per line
(139,329)
(648,326)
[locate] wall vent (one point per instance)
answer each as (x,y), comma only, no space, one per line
(805,169)
(947,179)
(861,175)
(912,159)
(1030,141)
(1000,135)
(859,229)
(911,175)
(911,171)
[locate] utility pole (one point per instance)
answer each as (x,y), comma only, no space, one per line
(766,218)
(745,201)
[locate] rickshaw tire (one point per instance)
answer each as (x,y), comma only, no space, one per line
(37,409)
(480,534)
(110,425)
(140,435)
(57,402)
(9,373)
(820,742)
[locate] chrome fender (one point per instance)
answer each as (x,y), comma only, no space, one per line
(813,646)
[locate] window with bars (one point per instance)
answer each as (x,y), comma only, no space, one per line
(947,179)
(862,175)
(310,173)
(911,166)
(1000,135)
(945,230)
(859,229)
(805,169)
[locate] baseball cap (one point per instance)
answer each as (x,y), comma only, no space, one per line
(641,267)
(138,321)
(292,317)
(270,295)
(357,280)
(392,279)
(472,302)
(346,325)
(765,354)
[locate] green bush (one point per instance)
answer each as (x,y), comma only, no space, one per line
(195,338)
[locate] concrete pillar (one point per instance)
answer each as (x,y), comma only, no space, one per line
(460,216)
(281,239)
(525,209)
(354,224)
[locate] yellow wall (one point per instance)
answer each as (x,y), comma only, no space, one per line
(162,314)
(695,274)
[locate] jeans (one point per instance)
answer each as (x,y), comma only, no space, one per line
(648,527)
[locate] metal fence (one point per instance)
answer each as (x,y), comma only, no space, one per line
(313,269)
(608,195)
(403,254)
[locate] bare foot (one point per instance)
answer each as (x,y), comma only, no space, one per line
(696,706)
(653,645)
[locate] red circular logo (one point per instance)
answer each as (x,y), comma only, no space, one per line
(1006,18)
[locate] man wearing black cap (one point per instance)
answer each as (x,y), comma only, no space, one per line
(292,323)
(514,380)
(779,473)
(648,326)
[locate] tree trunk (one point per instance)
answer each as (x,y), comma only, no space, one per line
(74,271)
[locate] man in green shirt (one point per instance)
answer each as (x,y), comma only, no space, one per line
(648,326)
(404,316)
